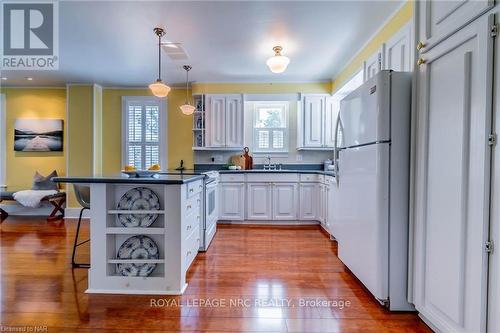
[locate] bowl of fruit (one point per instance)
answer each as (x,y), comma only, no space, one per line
(131,171)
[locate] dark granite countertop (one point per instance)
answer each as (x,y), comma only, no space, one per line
(123,179)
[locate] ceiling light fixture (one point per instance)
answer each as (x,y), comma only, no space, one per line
(4,78)
(278,63)
(158,88)
(187,108)
(29,78)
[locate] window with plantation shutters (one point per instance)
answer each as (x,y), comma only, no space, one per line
(143,126)
(270,130)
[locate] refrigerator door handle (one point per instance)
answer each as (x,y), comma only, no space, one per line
(336,153)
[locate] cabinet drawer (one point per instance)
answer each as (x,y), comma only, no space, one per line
(193,204)
(192,245)
(309,177)
(272,177)
(194,188)
(232,178)
(193,221)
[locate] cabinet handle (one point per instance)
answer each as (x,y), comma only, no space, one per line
(188,227)
(242,184)
(420,61)
(191,190)
(200,186)
(420,45)
(198,217)
(198,200)
(188,206)
(188,253)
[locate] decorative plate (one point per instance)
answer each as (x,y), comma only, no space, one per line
(141,173)
(139,198)
(137,247)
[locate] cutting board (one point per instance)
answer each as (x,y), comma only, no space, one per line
(238,160)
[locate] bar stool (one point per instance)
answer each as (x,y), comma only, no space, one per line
(82,194)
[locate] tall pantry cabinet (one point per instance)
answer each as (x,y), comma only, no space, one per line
(454,112)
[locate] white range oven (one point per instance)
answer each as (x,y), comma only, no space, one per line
(211,209)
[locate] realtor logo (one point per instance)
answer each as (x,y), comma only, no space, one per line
(30,35)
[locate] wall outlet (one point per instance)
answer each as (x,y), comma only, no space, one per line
(298,158)
(217,158)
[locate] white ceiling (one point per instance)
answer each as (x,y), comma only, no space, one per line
(112,43)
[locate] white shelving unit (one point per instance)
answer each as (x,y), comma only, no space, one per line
(107,235)
(199,122)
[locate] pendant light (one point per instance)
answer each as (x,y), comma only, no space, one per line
(158,88)
(278,63)
(187,108)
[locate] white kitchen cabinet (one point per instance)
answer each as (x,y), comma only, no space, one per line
(453,171)
(398,51)
(224,121)
(232,201)
(440,19)
(285,199)
(234,121)
(316,122)
(322,204)
(374,64)
(308,205)
(259,201)
(329,206)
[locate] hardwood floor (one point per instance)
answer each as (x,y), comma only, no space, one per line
(261,267)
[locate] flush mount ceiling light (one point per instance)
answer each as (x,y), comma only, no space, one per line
(187,108)
(158,88)
(278,63)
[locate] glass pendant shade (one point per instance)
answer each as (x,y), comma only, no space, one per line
(278,63)
(159,89)
(187,109)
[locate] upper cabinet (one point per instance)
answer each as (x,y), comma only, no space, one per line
(316,122)
(440,19)
(224,121)
(374,64)
(398,51)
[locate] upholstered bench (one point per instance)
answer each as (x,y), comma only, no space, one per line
(57,201)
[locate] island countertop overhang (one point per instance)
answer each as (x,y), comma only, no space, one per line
(119,179)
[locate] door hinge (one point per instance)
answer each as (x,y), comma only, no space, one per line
(489,247)
(494,30)
(492,139)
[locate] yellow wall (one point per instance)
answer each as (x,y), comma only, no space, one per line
(178,131)
(403,16)
(261,88)
(33,103)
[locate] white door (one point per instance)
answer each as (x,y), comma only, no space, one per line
(216,121)
(308,201)
(285,197)
(314,106)
(259,201)
(452,179)
(331,112)
(374,64)
(439,19)
(234,121)
(231,201)
(398,51)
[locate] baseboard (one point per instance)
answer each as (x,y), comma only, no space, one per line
(74,213)
(264,222)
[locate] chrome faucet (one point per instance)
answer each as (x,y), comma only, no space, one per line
(269,166)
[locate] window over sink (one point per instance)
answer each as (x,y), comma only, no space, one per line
(270,127)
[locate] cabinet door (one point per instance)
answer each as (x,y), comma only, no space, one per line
(321,204)
(314,106)
(285,201)
(259,201)
(329,210)
(232,201)
(216,121)
(398,51)
(308,196)
(452,180)
(440,19)
(234,121)
(374,64)
(331,111)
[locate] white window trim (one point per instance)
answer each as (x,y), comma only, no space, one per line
(286,137)
(163,127)
(3,143)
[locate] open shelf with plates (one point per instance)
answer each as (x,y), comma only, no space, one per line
(199,121)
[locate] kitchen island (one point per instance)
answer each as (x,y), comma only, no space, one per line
(144,232)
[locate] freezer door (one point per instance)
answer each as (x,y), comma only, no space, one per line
(365,113)
(361,222)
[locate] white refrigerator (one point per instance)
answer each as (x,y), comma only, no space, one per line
(372,153)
